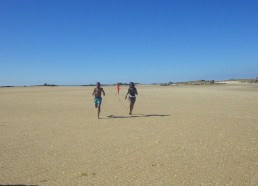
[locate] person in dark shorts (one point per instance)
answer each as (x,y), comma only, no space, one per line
(97,97)
(132,91)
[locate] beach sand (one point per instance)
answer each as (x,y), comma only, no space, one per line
(177,135)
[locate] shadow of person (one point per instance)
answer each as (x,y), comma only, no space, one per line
(138,116)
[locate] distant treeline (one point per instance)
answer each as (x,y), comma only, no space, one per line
(126,84)
(197,82)
(6,86)
(123,84)
(49,85)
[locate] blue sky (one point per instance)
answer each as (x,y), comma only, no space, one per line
(147,41)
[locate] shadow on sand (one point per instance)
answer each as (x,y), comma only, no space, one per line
(137,116)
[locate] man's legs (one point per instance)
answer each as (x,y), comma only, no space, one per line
(98,111)
(98,106)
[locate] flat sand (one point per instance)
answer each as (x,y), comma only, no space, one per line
(177,135)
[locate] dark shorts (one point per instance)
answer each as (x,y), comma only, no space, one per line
(132,99)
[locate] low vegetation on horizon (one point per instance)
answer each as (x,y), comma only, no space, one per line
(196,82)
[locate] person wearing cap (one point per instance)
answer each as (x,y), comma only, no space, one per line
(97,97)
(132,91)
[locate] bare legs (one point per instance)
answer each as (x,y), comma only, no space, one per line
(98,107)
(131,107)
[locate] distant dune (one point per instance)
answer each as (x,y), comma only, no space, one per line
(239,81)
(232,82)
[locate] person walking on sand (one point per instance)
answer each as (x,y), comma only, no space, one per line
(118,87)
(97,97)
(132,91)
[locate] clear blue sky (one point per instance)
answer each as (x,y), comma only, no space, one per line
(84,41)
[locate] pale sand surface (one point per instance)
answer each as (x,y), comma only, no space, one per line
(179,135)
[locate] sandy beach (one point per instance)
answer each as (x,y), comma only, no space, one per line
(177,135)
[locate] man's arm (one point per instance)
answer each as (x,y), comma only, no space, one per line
(103,92)
(94,92)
